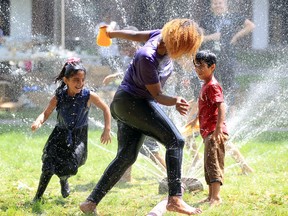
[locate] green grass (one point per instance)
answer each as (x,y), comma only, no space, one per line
(264,192)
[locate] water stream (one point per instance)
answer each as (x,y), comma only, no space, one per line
(262,106)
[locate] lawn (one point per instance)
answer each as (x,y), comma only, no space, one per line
(264,192)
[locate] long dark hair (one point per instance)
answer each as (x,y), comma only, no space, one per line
(71,67)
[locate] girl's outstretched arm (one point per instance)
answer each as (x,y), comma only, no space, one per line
(45,114)
(98,102)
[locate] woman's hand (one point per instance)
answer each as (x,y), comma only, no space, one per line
(182,106)
(111,26)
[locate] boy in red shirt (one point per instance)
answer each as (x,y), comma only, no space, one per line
(213,129)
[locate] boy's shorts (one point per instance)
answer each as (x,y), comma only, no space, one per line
(214,154)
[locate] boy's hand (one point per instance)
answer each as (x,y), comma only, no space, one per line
(219,136)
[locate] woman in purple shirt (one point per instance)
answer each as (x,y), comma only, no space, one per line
(136,107)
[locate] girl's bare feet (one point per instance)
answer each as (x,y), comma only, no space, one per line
(176,204)
(88,207)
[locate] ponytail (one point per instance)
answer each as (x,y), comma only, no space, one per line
(71,67)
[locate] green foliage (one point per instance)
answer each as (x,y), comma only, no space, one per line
(264,192)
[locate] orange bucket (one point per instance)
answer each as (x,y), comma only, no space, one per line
(102,37)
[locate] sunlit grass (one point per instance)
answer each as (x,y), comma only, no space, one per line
(264,192)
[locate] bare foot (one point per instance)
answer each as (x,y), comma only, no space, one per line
(207,200)
(176,204)
(215,202)
(88,207)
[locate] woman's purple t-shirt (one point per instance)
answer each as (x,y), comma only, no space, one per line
(147,67)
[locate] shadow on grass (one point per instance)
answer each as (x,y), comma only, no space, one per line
(84,187)
(89,186)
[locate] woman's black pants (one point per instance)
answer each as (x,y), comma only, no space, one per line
(136,118)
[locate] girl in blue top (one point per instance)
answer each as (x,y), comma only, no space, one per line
(136,107)
(66,148)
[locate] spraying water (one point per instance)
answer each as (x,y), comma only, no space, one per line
(262,106)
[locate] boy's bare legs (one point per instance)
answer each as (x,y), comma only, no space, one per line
(207,200)
(176,204)
(215,198)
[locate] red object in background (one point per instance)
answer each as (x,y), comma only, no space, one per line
(28,66)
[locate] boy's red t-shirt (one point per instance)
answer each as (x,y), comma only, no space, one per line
(211,93)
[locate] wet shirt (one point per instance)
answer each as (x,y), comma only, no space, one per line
(228,25)
(147,67)
(211,93)
(72,112)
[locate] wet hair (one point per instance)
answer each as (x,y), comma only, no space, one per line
(70,68)
(206,56)
(182,37)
